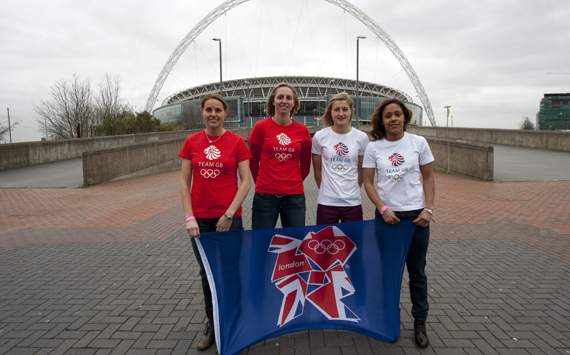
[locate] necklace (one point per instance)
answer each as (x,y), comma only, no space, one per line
(214,140)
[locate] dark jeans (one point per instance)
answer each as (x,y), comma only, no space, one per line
(209,225)
(416,265)
(267,208)
(335,214)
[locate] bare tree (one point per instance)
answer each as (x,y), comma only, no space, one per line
(69,113)
(527,124)
(108,105)
(5,129)
(3,132)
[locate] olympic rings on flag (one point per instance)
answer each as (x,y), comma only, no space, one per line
(210,173)
(326,246)
(283,156)
(341,168)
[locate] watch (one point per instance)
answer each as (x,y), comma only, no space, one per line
(428,210)
(228,216)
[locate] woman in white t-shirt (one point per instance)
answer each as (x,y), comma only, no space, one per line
(405,189)
(337,152)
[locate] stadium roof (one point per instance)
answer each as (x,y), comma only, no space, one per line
(307,86)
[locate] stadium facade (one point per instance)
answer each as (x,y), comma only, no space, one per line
(554,113)
(246,99)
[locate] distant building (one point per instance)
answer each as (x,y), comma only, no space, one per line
(246,100)
(554,112)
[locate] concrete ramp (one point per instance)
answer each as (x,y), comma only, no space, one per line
(66,173)
(525,164)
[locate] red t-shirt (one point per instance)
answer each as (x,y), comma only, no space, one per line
(280,157)
(214,171)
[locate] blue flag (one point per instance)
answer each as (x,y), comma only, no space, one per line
(267,283)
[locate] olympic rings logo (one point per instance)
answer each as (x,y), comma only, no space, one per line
(326,246)
(396,177)
(283,156)
(340,167)
(210,173)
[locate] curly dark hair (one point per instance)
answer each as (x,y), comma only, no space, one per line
(378,130)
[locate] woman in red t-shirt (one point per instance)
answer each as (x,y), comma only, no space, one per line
(211,161)
(280,161)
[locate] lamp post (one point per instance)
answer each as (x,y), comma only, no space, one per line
(447,120)
(219,40)
(9,124)
(358,38)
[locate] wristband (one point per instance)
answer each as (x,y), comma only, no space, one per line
(190,217)
(383,209)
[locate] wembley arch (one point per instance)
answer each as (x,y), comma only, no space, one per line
(358,14)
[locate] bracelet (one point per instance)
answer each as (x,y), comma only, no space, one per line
(228,216)
(428,210)
(383,209)
(190,217)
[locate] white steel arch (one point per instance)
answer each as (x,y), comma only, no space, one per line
(343,4)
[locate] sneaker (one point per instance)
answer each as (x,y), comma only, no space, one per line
(420,333)
(208,338)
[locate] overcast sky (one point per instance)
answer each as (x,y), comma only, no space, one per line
(492,61)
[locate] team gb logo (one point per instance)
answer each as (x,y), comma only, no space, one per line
(212,153)
(283,139)
(396,159)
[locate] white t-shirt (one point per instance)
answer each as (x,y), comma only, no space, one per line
(339,156)
(397,163)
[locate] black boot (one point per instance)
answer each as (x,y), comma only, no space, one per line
(420,333)
(208,338)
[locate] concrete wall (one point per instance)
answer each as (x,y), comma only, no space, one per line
(135,160)
(475,160)
(18,155)
(470,159)
(548,140)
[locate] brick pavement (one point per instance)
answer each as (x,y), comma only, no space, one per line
(107,270)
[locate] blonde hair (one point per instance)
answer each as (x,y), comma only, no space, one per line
(327,116)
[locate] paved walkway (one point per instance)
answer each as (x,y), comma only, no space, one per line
(109,270)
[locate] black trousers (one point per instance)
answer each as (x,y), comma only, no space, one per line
(416,265)
(209,225)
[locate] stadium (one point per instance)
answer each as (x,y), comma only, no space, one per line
(246,99)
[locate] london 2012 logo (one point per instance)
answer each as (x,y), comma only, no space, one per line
(313,269)
(396,159)
(341,149)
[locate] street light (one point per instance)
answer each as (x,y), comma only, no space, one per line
(447,120)
(358,38)
(219,40)
(9,124)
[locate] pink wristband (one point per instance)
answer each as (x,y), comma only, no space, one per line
(383,209)
(190,217)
